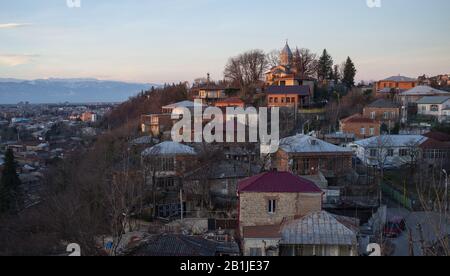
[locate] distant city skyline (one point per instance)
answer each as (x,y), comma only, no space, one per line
(178,40)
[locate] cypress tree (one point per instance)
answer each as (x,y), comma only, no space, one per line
(10,194)
(349,73)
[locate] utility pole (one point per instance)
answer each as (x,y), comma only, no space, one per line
(422,240)
(446,192)
(411,244)
(181,204)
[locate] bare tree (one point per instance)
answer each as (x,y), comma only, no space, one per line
(273,58)
(246,70)
(305,63)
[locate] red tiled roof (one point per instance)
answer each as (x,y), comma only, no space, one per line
(233,100)
(431,143)
(439,136)
(262,232)
(278,182)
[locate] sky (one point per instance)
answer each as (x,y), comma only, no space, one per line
(179,40)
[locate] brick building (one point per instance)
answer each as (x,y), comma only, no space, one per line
(383,110)
(165,166)
(269,198)
(306,155)
(397,83)
(297,96)
(360,126)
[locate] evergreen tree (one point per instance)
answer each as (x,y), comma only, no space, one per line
(10,195)
(336,75)
(325,66)
(349,73)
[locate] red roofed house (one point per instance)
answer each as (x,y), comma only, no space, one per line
(272,197)
(360,126)
(230,102)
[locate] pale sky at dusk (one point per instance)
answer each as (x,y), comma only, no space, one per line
(176,40)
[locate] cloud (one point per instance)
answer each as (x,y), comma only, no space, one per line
(15,60)
(13,25)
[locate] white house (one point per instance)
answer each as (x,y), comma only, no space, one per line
(438,107)
(410,97)
(389,151)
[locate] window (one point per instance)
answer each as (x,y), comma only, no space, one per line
(272,206)
(390,152)
(363,131)
(270,100)
(293,99)
(434,108)
(288,100)
(276,100)
(386,115)
(373,115)
(373,153)
(282,83)
(424,108)
(404,152)
(372,131)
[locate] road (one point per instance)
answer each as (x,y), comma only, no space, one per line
(433,225)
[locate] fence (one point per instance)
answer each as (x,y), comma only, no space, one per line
(398,197)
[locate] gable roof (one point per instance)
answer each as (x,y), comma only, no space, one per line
(184,246)
(400,79)
(439,136)
(319,228)
(278,182)
(424,90)
(392,141)
(383,103)
(169,148)
(308,144)
(359,119)
(433,100)
(302,90)
(187,104)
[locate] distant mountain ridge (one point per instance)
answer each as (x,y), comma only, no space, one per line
(54,90)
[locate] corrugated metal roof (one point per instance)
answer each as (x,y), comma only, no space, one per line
(392,141)
(433,100)
(307,144)
(169,148)
(184,246)
(399,79)
(423,90)
(319,228)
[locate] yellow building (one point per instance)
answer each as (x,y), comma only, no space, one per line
(286,73)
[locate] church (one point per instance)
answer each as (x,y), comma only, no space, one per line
(284,85)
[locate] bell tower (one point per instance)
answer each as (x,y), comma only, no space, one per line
(286,55)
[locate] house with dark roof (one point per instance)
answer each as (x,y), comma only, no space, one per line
(269,198)
(385,111)
(183,246)
(296,96)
